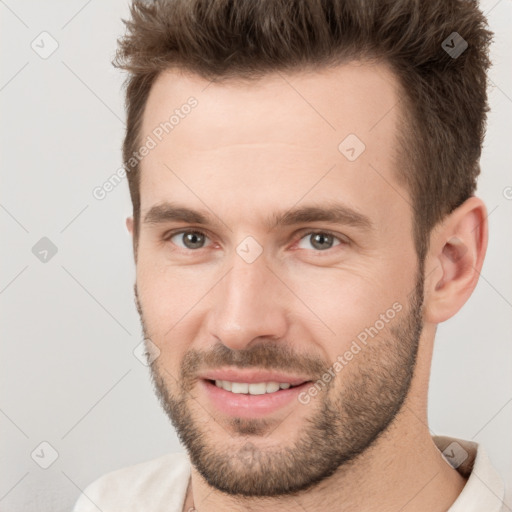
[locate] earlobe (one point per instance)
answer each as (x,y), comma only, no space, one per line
(456,257)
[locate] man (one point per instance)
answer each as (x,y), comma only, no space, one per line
(302,176)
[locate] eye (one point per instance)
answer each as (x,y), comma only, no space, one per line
(320,240)
(188,239)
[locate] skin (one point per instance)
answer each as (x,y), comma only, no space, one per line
(249,149)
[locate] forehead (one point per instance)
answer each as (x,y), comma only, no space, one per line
(286,131)
(353,96)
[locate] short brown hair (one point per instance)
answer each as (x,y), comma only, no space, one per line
(445,94)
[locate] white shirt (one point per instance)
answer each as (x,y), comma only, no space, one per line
(160,485)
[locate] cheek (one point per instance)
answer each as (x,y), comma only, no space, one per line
(168,291)
(348,305)
(170,300)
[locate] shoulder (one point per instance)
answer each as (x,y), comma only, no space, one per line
(155,484)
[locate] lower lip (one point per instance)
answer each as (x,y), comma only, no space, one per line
(250,406)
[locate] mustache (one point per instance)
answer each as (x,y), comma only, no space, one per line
(268,355)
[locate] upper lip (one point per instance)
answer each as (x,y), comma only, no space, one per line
(252,376)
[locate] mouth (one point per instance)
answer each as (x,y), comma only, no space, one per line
(252,388)
(251,399)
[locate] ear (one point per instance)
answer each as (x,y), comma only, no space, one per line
(129,226)
(454,261)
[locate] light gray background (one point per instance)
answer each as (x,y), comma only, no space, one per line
(69,326)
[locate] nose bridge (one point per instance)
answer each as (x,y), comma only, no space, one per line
(247,304)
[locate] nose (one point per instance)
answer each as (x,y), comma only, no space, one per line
(249,303)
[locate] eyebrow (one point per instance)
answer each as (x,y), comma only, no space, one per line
(335,213)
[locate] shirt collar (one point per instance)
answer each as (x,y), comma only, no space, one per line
(484,490)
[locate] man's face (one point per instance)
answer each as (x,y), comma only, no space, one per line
(257,294)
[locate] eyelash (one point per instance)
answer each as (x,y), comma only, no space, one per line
(302,235)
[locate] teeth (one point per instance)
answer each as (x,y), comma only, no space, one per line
(259,388)
(256,388)
(272,387)
(223,384)
(239,387)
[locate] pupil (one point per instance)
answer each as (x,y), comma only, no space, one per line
(193,239)
(320,239)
